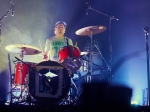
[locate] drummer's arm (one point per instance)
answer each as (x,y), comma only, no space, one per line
(46,53)
(46,56)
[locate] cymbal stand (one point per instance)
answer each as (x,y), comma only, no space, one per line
(89,77)
(108,68)
(110,45)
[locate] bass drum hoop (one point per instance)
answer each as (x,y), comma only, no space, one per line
(32,83)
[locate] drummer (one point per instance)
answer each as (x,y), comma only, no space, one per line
(54,43)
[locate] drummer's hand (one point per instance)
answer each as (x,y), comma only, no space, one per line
(45,57)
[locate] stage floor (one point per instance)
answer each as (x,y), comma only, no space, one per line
(70,108)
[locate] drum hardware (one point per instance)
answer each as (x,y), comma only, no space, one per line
(108,68)
(68,56)
(29,81)
(49,92)
(90,31)
(38,69)
(11,93)
(110,45)
(70,61)
(72,97)
(22,50)
(28,98)
(23,73)
(21,68)
(88,73)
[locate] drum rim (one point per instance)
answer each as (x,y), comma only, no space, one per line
(71,46)
(56,62)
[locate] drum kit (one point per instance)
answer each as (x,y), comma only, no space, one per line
(49,82)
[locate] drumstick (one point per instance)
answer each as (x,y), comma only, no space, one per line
(76,44)
(41,47)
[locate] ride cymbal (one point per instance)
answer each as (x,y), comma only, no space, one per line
(86,31)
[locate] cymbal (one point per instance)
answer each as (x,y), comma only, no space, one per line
(23,49)
(86,31)
(84,53)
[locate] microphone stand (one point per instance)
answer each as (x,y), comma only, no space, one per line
(110,45)
(5,15)
(146,30)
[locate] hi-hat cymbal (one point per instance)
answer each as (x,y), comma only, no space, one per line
(23,49)
(86,31)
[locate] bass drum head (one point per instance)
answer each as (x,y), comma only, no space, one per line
(50,84)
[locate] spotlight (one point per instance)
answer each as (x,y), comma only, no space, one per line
(134,102)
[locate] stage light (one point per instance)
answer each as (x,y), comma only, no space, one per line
(134,102)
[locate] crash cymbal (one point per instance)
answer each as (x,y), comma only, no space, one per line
(86,31)
(23,49)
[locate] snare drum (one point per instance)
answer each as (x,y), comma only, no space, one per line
(49,82)
(73,62)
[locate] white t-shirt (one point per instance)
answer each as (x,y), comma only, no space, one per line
(54,44)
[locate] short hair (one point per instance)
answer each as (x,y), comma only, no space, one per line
(61,22)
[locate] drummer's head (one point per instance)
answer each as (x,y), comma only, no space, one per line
(60,28)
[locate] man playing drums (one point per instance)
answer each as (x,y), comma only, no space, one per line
(56,42)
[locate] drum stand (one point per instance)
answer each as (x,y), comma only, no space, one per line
(13,87)
(72,96)
(27,99)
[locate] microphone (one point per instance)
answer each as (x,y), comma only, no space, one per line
(12,9)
